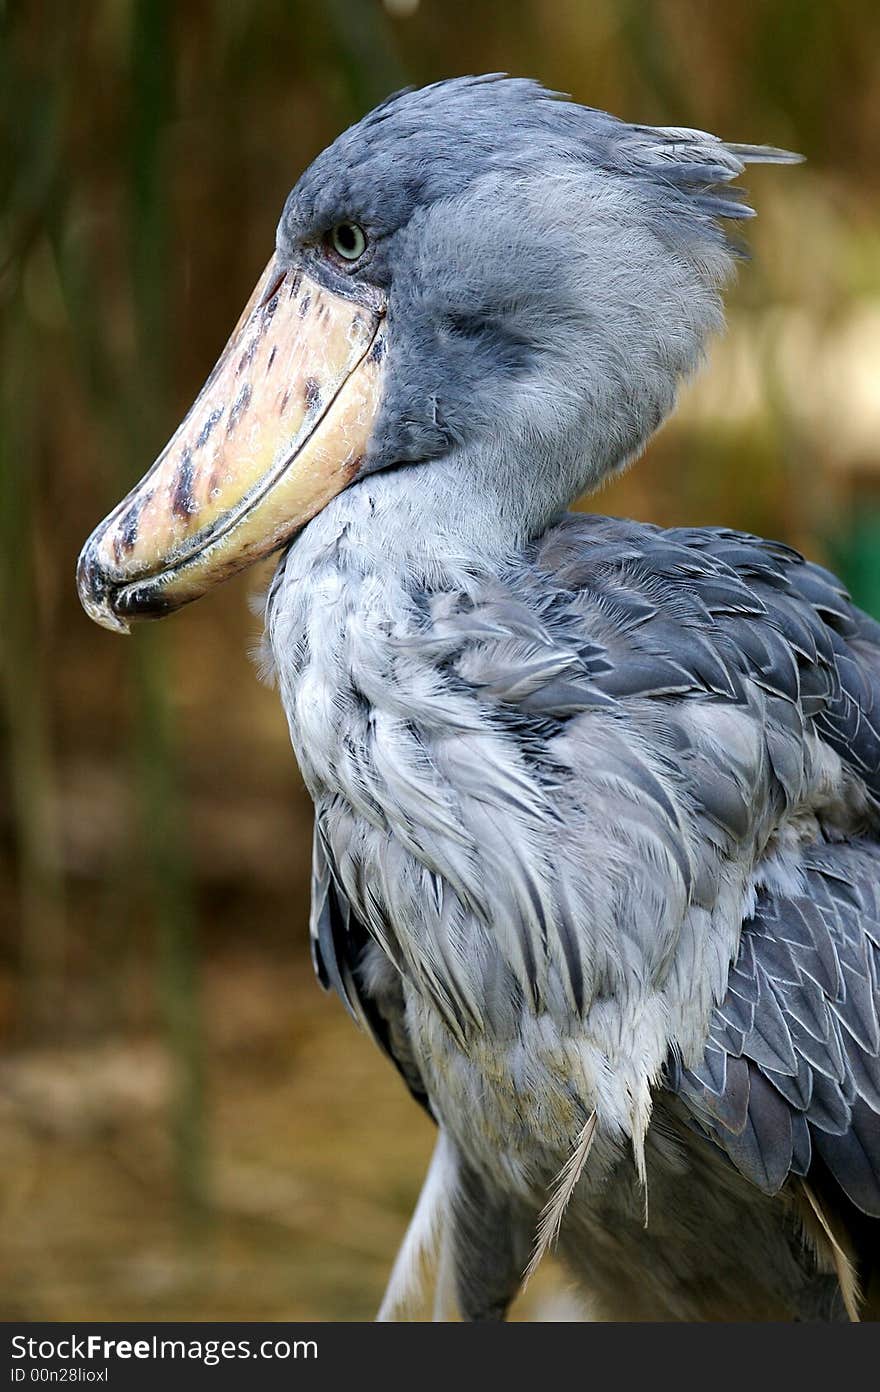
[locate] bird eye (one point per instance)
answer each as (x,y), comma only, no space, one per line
(348,241)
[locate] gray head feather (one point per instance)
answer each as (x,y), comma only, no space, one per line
(552,274)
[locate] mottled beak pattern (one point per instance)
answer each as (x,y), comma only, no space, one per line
(280,427)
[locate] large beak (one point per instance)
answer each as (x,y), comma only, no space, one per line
(280,427)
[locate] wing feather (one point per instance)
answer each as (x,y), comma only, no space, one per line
(828,1104)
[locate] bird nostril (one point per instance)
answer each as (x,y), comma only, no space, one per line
(273,288)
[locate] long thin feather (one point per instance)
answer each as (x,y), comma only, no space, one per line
(846,1276)
(405,1289)
(641,1119)
(553,1211)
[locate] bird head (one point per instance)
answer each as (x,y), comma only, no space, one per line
(481,281)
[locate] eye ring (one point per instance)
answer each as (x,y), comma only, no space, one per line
(348,240)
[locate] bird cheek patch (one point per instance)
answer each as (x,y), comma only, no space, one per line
(280,427)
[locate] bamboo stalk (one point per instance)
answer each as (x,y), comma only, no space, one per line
(27,189)
(162,803)
(33,802)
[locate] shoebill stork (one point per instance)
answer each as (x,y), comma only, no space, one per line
(597,805)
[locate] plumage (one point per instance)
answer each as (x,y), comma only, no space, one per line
(553,1212)
(795,1016)
(597,805)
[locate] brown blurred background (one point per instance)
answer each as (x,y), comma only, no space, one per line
(188,1127)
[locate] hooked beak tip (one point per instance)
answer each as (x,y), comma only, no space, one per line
(96,593)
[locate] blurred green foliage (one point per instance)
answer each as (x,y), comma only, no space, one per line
(154,819)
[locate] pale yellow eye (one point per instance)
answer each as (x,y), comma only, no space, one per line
(348,241)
